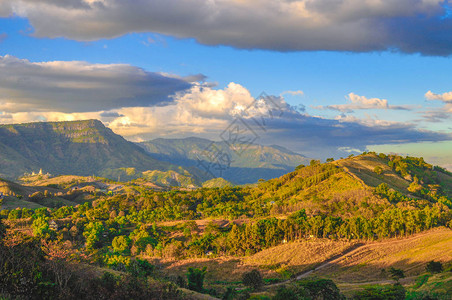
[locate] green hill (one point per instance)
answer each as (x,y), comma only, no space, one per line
(365,184)
(216,183)
(238,163)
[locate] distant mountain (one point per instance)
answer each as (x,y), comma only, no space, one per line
(238,163)
(76,148)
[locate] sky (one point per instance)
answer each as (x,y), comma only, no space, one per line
(325,78)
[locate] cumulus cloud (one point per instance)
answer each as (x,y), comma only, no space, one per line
(288,25)
(76,86)
(446,97)
(361,102)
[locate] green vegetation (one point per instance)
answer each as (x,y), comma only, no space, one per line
(395,292)
(434,267)
(253,279)
(310,289)
(195,278)
(122,231)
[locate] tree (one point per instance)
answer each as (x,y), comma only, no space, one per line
(120,244)
(40,227)
(434,267)
(2,231)
(253,279)
(321,289)
(378,170)
(314,162)
(396,274)
(140,268)
(92,233)
(331,159)
(395,292)
(299,167)
(195,278)
(284,293)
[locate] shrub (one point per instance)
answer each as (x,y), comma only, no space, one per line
(140,268)
(396,274)
(195,278)
(253,279)
(395,292)
(434,267)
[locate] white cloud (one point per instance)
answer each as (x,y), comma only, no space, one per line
(285,25)
(69,86)
(446,97)
(361,102)
(293,93)
(441,114)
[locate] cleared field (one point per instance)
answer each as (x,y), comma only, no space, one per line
(362,167)
(12,203)
(352,265)
(299,256)
(371,261)
(59,180)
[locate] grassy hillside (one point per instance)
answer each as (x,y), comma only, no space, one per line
(365,184)
(372,261)
(352,265)
(216,183)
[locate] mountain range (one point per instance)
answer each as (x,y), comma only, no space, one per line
(238,163)
(76,148)
(89,148)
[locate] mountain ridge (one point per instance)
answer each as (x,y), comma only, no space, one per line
(72,147)
(238,163)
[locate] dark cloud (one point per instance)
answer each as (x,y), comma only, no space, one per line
(319,137)
(81,87)
(110,114)
(410,26)
(436,116)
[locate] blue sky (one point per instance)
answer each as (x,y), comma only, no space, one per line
(351,76)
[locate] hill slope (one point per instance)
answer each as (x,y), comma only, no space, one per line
(240,163)
(364,185)
(76,148)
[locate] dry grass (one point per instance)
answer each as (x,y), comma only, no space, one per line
(59,180)
(298,256)
(361,265)
(292,257)
(218,269)
(12,203)
(409,254)
(362,167)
